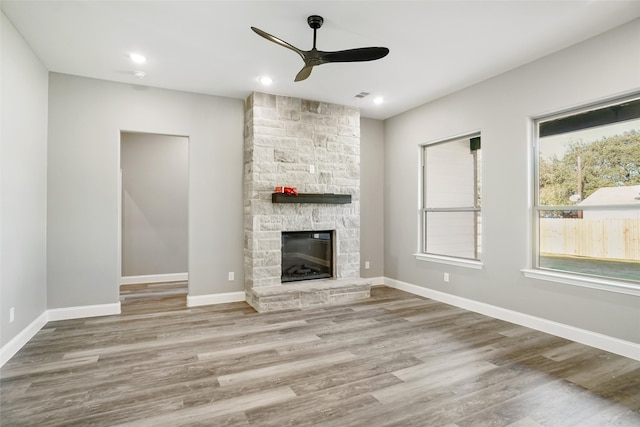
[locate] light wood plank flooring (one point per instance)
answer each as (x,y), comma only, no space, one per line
(393,360)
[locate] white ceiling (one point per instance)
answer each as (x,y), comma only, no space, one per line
(437,47)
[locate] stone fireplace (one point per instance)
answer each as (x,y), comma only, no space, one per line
(315,147)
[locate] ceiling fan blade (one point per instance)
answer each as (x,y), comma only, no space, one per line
(304,73)
(355,55)
(276,40)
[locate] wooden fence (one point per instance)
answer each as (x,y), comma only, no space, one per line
(615,238)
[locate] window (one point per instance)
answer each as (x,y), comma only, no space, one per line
(587,192)
(451,183)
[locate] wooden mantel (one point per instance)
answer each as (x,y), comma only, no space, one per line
(329,198)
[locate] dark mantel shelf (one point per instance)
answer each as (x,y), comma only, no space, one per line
(329,198)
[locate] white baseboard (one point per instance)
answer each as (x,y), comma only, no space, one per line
(83,311)
(583,336)
(375,281)
(154,278)
(12,347)
(198,300)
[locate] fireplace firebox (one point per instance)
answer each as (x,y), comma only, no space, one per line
(307,255)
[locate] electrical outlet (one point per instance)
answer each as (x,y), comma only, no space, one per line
(446,277)
(232,276)
(12,314)
(366,265)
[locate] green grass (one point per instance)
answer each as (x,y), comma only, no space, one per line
(625,270)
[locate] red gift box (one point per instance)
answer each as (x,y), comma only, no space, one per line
(287,190)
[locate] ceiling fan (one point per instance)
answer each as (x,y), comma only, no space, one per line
(315,57)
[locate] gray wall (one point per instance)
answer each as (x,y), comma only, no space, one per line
(155,185)
(371,197)
(501,109)
(77,208)
(23,212)
(86,117)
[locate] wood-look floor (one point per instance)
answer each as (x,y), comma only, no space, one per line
(393,360)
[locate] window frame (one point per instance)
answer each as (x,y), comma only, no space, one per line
(422,254)
(573,278)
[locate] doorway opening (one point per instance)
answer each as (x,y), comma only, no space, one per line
(154,176)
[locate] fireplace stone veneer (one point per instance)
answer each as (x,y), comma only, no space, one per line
(315,147)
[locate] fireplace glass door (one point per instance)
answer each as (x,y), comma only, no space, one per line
(307,255)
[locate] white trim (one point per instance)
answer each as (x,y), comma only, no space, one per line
(154,278)
(375,281)
(83,311)
(451,138)
(12,347)
(585,282)
(604,342)
(596,104)
(460,262)
(198,300)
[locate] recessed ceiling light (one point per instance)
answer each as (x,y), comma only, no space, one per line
(378,100)
(265,80)
(137,58)
(139,74)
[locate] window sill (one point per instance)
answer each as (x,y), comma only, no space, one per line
(460,262)
(585,282)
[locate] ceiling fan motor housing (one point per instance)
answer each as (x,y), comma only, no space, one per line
(315,21)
